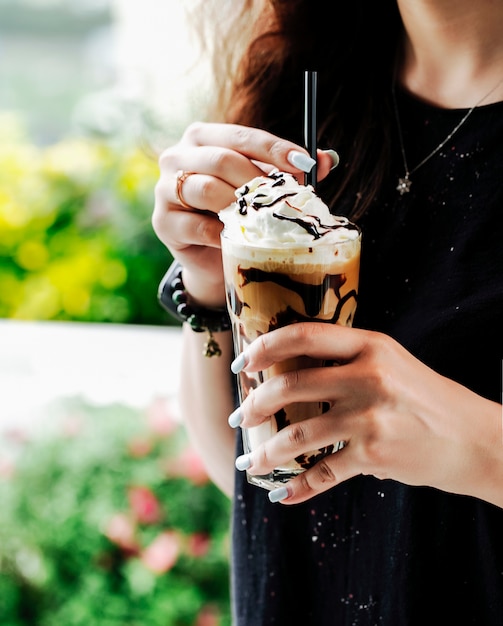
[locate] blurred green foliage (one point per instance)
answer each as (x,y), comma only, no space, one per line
(111,520)
(76,241)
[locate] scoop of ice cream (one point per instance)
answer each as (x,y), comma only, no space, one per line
(275,210)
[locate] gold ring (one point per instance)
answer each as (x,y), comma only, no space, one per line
(181,177)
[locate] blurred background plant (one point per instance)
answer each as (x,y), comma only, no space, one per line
(110,519)
(76,242)
(90,93)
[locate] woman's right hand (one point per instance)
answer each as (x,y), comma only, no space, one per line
(220,158)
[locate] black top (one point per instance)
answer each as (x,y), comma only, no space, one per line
(372,552)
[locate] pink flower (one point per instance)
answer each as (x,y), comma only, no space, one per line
(121,531)
(162,554)
(188,464)
(208,616)
(161,417)
(198,544)
(16,436)
(139,447)
(72,426)
(7,468)
(144,504)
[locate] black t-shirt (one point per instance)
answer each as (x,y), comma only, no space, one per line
(375,552)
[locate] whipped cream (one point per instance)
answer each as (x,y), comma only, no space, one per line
(275,210)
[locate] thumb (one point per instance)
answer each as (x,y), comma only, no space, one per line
(327,161)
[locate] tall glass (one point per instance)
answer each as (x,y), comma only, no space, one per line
(268,288)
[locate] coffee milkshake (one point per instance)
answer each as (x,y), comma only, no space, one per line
(286,260)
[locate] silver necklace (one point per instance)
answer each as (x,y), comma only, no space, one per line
(404,182)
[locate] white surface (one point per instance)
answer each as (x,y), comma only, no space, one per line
(41,362)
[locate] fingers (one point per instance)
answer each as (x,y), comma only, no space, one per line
(261,147)
(318,351)
(220,158)
(330,471)
(334,385)
(316,385)
(297,439)
(255,144)
(327,473)
(188,229)
(234,154)
(218,171)
(320,341)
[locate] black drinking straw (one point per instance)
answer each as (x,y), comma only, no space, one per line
(310,122)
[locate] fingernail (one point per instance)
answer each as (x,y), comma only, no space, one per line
(334,156)
(235,418)
(276,495)
(243,462)
(239,363)
(301,160)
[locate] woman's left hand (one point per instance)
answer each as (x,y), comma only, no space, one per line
(399,418)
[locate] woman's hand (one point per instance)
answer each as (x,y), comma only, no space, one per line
(399,418)
(220,158)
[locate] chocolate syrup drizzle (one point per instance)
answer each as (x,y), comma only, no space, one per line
(312,296)
(261,200)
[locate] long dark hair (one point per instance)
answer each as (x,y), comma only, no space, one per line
(352,45)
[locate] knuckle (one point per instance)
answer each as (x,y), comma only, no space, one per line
(156,221)
(307,332)
(250,405)
(192,132)
(305,485)
(381,382)
(261,457)
(203,232)
(373,456)
(379,352)
(288,382)
(374,453)
(159,193)
(160,210)
(320,477)
(261,344)
(276,148)
(297,435)
(324,472)
(263,341)
(222,159)
(203,192)
(254,412)
(382,344)
(242,136)
(206,190)
(166,160)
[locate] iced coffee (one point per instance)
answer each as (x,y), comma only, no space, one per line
(286,259)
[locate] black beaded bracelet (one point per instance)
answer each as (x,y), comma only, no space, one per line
(174,298)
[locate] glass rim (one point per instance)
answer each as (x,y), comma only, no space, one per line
(293,245)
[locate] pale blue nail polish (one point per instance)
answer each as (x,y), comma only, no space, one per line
(334,156)
(235,418)
(301,160)
(239,363)
(276,495)
(243,462)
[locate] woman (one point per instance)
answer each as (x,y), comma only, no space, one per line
(404,526)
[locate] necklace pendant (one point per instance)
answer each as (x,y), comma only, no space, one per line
(404,184)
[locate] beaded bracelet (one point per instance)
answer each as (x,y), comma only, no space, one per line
(174,298)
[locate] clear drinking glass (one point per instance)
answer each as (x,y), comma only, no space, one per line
(272,287)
